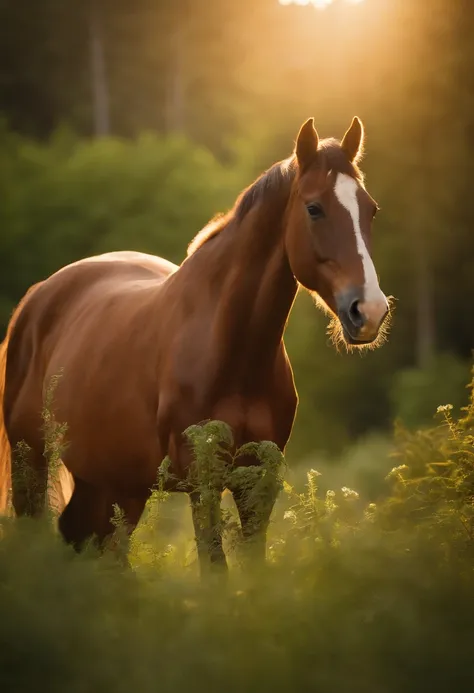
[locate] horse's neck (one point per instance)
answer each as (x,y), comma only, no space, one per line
(256,292)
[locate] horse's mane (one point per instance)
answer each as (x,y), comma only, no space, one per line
(277,177)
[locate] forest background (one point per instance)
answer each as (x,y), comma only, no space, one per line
(128,125)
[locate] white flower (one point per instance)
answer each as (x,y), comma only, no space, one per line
(349,493)
(444,408)
(397,471)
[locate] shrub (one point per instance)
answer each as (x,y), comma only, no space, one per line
(416,392)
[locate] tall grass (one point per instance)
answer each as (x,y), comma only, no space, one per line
(356,596)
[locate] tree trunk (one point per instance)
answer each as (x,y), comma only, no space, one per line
(100,94)
(425,318)
(175,105)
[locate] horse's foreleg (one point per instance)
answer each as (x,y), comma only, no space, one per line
(82,518)
(208,532)
(89,513)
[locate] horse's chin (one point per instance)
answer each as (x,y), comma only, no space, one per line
(340,336)
(352,341)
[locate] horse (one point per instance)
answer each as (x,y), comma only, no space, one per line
(147,348)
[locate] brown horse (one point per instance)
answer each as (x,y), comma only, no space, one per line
(147,348)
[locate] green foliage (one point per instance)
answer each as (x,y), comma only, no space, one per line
(23,475)
(254,471)
(146,550)
(417,392)
(361,597)
(54,434)
(72,198)
(362,465)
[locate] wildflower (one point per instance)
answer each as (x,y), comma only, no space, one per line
(444,408)
(397,471)
(330,504)
(349,493)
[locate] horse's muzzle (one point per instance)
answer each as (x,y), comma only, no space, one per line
(361,319)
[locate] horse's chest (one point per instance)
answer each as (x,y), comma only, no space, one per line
(250,419)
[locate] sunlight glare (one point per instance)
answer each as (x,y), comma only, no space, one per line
(318,4)
(321,4)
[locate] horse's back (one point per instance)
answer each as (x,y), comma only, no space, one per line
(157,265)
(90,324)
(90,280)
(86,295)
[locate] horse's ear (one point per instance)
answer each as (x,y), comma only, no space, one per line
(307,144)
(353,141)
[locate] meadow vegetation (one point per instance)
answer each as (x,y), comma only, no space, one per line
(367,591)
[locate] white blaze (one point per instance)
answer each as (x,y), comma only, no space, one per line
(346,192)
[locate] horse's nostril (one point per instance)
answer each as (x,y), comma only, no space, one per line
(356,317)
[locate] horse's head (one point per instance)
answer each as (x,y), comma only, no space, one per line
(328,232)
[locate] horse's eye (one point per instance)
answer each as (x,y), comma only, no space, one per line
(315,211)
